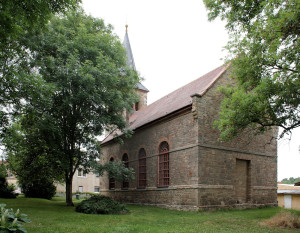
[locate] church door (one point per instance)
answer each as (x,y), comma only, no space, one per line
(242,180)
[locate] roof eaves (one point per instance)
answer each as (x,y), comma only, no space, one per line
(196,94)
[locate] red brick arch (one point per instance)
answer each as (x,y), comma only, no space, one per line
(162,139)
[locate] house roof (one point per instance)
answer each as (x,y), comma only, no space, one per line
(288,192)
(172,102)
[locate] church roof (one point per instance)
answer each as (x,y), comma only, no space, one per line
(172,102)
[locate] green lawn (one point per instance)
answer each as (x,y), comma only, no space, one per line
(55,216)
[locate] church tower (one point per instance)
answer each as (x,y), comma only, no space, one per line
(141,90)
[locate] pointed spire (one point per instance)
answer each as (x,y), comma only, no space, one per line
(126,44)
(130,60)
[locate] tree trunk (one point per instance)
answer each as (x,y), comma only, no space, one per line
(69,191)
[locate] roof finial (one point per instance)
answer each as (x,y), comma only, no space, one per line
(126,27)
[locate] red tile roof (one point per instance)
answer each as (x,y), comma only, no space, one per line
(172,102)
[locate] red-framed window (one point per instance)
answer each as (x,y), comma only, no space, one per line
(142,169)
(125,159)
(163,167)
(112,181)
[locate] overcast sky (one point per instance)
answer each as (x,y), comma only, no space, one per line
(173,43)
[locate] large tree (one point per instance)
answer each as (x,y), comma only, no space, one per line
(88,87)
(17,18)
(264,53)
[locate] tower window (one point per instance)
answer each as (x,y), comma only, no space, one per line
(136,106)
(112,181)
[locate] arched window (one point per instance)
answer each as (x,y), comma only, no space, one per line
(112,182)
(125,159)
(137,106)
(142,169)
(163,168)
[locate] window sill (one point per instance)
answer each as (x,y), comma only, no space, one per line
(162,187)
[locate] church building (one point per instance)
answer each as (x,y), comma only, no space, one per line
(179,161)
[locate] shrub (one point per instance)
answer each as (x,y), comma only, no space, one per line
(38,188)
(6,190)
(284,219)
(11,221)
(98,204)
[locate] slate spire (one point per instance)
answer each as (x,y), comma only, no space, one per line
(126,44)
(130,60)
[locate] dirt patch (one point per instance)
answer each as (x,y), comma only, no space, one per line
(284,219)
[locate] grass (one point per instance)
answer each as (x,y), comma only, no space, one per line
(54,216)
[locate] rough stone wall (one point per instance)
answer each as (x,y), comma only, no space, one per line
(143,98)
(217,160)
(181,134)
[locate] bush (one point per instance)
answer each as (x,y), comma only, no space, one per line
(6,190)
(284,219)
(38,189)
(11,221)
(98,204)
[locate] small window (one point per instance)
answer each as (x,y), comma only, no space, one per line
(136,106)
(163,169)
(81,173)
(142,169)
(96,189)
(125,159)
(80,189)
(97,174)
(112,182)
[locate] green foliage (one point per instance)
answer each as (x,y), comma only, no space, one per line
(291,180)
(18,18)
(98,204)
(87,86)
(12,221)
(3,172)
(116,170)
(42,188)
(6,190)
(264,55)
(28,159)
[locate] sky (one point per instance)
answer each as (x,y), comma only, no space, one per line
(173,43)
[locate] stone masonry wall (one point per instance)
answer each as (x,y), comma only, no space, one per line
(143,98)
(181,134)
(217,160)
